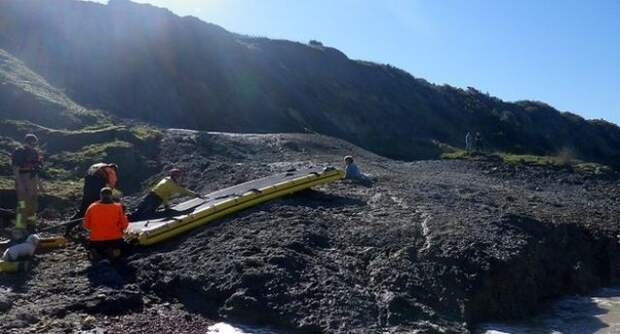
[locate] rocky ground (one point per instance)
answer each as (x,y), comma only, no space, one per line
(431,247)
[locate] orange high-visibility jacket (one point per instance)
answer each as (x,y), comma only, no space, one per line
(105,221)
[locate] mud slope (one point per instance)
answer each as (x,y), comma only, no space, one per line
(433,246)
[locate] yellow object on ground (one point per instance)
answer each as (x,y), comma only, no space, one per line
(52,243)
(166,188)
(227,201)
(14,266)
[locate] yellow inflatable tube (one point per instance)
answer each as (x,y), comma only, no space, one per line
(145,235)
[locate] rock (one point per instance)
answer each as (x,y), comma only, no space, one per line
(6,302)
(88,322)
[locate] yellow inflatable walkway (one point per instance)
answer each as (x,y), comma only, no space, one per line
(197,212)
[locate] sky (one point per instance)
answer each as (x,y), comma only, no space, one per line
(562,52)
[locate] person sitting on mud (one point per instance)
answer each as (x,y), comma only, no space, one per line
(97,176)
(161,194)
(105,221)
(352,172)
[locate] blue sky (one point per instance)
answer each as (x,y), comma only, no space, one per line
(563,52)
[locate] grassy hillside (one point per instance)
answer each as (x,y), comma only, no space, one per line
(142,62)
(72,137)
(25,95)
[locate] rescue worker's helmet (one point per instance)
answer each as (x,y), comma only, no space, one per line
(106,192)
(31,139)
(175,173)
(348,159)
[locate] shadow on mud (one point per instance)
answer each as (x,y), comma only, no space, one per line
(317,199)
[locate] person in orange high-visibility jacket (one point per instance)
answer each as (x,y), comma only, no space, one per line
(106,222)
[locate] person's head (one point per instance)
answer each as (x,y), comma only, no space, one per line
(106,194)
(31,140)
(176,174)
(348,160)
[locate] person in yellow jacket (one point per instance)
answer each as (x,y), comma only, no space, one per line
(161,194)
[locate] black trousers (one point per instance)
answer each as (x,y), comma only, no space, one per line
(90,195)
(108,249)
(147,209)
(92,187)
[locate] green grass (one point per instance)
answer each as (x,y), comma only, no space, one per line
(63,189)
(7,182)
(533,160)
(456,155)
(145,133)
(560,161)
(18,78)
(89,154)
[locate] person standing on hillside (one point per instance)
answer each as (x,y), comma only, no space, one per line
(161,194)
(106,222)
(478,145)
(27,161)
(469,142)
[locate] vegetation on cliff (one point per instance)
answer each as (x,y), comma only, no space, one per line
(142,62)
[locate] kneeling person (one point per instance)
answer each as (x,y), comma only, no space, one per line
(105,221)
(161,194)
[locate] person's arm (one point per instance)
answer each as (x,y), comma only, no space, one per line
(88,219)
(123,221)
(190,193)
(182,190)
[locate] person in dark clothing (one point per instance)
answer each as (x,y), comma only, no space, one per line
(98,176)
(27,161)
(478,142)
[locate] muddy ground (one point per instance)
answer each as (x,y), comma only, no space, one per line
(431,247)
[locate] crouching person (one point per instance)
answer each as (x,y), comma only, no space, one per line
(161,194)
(106,222)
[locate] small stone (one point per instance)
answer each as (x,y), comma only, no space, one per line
(88,322)
(5,304)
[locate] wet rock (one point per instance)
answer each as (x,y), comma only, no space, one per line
(6,302)
(242,307)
